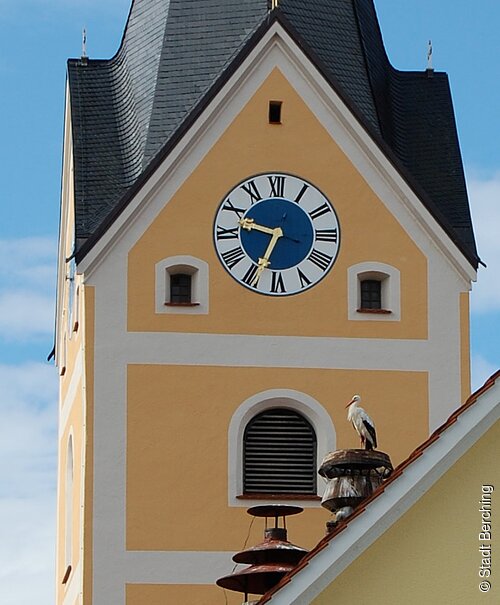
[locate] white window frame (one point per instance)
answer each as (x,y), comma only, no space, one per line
(302,403)
(390,280)
(198,269)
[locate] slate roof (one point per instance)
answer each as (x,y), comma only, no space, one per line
(127,110)
(398,472)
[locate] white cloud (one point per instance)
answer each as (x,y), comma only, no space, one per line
(481,370)
(28,428)
(27,291)
(28,438)
(485,204)
(29,261)
(25,315)
(27,551)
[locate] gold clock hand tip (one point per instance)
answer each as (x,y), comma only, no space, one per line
(246,223)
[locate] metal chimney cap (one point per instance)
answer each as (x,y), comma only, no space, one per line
(354,459)
(274,510)
(274,549)
(256,579)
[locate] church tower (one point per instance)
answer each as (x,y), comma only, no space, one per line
(260,217)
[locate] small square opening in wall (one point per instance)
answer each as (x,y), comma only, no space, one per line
(181,285)
(180,288)
(374,292)
(371,294)
(275,112)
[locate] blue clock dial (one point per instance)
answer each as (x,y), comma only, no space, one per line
(298,234)
(276,234)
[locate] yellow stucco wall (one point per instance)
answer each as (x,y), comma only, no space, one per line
(177,453)
(369,233)
(153,594)
(75,400)
(431,555)
(74,428)
(72,408)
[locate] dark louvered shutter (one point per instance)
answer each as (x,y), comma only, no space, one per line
(279,454)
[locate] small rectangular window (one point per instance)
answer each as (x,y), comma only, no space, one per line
(180,288)
(275,112)
(371,294)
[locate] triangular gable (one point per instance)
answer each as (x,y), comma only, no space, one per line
(273,46)
(409,482)
(172,53)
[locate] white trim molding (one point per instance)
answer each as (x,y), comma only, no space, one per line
(69,477)
(71,393)
(306,405)
(198,269)
(74,587)
(391,290)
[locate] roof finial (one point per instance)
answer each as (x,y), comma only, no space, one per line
(274,4)
(429,56)
(84,43)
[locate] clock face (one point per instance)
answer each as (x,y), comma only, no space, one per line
(276,234)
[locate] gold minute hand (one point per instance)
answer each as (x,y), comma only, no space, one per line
(264,261)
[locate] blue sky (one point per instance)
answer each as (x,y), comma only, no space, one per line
(36,38)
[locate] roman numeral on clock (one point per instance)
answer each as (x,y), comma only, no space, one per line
(223,233)
(233,257)
(304,280)
(319,211)
(277,184)
(277,283)
(253,192)
(326,235)
(229,206)
(301,193)
(320,259)
(250,274)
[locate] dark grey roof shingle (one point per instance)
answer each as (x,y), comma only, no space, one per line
(126,110)
(200,39)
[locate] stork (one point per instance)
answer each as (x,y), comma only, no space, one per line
(362,423)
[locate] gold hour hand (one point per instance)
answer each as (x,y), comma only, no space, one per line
(249,224)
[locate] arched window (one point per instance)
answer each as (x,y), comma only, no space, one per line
(267,420)
(279,454)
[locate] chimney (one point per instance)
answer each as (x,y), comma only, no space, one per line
(268,561)
(352,476)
